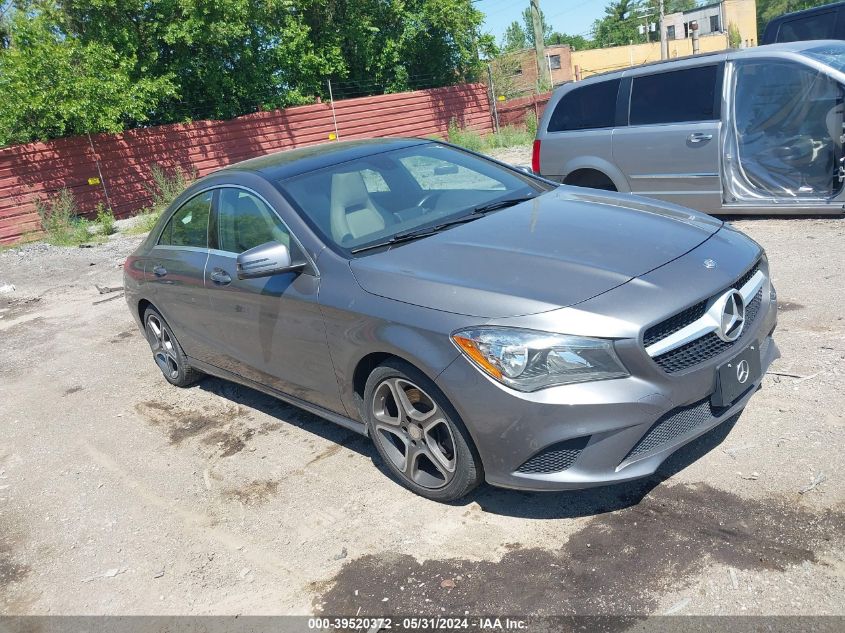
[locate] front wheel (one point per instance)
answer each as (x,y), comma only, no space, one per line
(167,352)
(418,435)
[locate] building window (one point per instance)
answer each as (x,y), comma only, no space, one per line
(714,23)
(670,32)
(554,62)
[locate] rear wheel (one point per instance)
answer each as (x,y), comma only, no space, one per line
(167,352)
(418,435)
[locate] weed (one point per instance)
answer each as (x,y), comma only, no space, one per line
(105,218)
(61,221)
(508,136)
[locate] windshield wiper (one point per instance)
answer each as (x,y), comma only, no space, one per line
(501,204)
(416,234)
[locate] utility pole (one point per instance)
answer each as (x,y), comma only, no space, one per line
(664,44)
(539,44)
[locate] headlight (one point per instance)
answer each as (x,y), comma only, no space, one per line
(528,360)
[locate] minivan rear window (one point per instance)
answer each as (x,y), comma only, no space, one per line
(678,96)
(587,107)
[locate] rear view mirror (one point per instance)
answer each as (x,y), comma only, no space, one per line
(442,170)
(266,260)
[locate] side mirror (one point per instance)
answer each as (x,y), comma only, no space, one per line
(266,260)
(525,169)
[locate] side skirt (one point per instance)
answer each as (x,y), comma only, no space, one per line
(331,416)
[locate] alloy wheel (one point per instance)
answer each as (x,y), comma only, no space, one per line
(163,346)
(413,433)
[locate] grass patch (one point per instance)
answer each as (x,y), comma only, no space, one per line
(508,136)
(105,219)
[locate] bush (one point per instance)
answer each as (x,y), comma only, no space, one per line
(61,221)
(167,185)
(105,218)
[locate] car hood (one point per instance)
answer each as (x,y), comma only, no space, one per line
(561,248)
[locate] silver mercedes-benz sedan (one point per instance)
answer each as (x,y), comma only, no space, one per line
(477,322)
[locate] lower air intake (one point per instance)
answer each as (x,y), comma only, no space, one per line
(555,458)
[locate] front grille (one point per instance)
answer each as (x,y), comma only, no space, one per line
(682,319)
(555,458)
(675,423)
(704,348)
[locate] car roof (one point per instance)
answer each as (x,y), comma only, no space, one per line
(703,58)
(293,162)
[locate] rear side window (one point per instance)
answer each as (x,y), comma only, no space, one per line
(189,225)
(675,97)
(588,107)
(818,26)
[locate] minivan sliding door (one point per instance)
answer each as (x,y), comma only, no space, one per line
(670,148)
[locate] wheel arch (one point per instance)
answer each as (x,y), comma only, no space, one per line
(601,166)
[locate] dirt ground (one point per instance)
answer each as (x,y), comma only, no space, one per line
(120,494)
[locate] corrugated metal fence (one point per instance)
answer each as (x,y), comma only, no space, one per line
(38,170)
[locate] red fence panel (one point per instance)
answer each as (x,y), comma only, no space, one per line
(513,111)
(36,171)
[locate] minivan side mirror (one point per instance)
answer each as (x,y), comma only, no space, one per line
(265,260)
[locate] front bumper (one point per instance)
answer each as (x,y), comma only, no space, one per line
(592,434)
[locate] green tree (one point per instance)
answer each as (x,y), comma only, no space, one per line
(54,85)
(528,22)
(619,24)
(400,44)
(514,38)
(575,42)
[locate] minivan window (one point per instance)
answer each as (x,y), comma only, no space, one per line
(678,96)
(189,225)
(587,107)
(818,26)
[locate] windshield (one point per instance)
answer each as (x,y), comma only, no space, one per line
(830,54)
(373,199)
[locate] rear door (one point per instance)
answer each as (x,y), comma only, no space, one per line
(670,148)
(175,271)
(269,329)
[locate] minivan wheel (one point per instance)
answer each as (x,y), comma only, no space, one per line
(418,435)
(167,352)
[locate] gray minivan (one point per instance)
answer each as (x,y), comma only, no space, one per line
(746,131)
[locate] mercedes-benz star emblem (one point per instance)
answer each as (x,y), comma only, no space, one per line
(742,371)
(710,263)
(732,316)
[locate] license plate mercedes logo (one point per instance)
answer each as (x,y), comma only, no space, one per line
(742,371)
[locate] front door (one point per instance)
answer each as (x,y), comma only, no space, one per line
(270,329)
(670,149)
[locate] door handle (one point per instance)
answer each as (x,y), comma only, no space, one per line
(699,137)
(220,277)
(159,271)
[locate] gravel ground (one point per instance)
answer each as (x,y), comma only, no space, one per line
(122,495)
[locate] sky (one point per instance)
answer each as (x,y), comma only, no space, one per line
(574,17)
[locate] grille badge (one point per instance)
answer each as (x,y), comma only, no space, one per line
(731,308)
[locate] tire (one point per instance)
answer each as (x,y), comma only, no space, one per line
(167,352)
(422,442)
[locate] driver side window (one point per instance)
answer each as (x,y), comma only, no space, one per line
(244,221)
